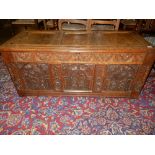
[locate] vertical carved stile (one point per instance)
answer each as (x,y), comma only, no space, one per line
(99,78)
(56,77)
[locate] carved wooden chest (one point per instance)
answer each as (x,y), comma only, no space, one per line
(112,64)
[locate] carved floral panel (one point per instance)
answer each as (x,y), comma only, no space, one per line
(78,76)
(114,77)
(35,76)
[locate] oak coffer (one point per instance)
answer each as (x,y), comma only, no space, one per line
(78,63)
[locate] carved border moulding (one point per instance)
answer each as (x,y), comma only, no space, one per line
(125,57)
(42,57)
(56,57)
(113,58)
(80,57)
(98,58)
(130,57)
(143,73)
(23,56)
(66,57)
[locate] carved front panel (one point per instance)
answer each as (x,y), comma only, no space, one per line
(95,72)
(119,77)
(78,76)
(114,77)
(35,76)
(30,76)
(100,75)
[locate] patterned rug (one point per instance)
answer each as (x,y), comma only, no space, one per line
(75,115)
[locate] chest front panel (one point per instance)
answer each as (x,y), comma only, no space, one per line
(95,73)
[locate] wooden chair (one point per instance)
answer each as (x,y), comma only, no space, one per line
(73,24)
(129,24)
(99,24)
(146,26)
(20,24)
(50,24)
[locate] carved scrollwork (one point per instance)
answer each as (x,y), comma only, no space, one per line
(81,57)
(104,58)
(40,56)
(124,57)
(62,57)
(129,57)
(56,57)
(23,56)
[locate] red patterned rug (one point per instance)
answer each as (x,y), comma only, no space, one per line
(75,115)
